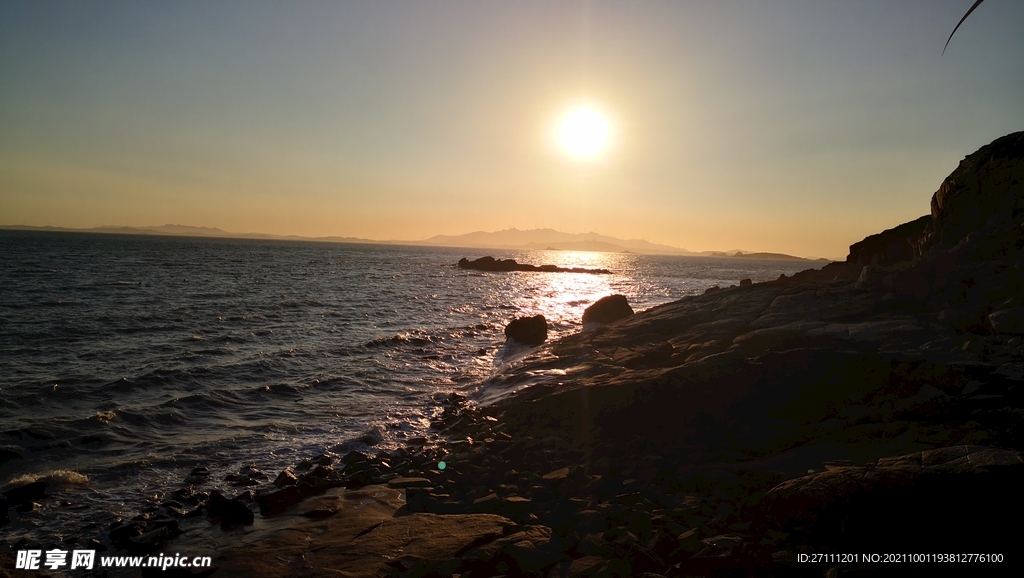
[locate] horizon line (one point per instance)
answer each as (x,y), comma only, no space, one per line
(160,230)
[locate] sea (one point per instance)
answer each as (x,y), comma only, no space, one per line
(127,361)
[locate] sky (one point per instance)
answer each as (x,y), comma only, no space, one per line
(787,126)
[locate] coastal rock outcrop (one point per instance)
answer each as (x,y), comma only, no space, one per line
(528,330)
(607,309)
(506,265)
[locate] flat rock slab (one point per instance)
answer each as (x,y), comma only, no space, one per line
(956,496)
(359,534)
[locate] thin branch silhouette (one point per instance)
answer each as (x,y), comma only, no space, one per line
(976,4)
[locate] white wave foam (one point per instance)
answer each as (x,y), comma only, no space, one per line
(52,477)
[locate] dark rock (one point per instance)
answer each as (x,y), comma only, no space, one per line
(592,567)
(892,246)
(198,475)
(26,493)
(403,483)
(215,504)
(363,477)
(745,282)
(9,453)
(690,542)
(506,265)
(894,499)
(26,507)
(4,516)
(608,309)
(527,551)
(427,500)
(355,458)
(989,182)
(319,480)
(911,284)
(122,533)
(528,330)
(279,501)
(1008,321)
(285,478)
(235,513)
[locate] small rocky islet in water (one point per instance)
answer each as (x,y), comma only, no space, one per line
(508,265)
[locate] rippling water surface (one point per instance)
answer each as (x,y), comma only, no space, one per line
(125,361)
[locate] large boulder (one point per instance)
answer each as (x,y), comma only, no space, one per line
(528,330)
(607,309)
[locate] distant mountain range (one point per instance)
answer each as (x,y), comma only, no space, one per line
(552,239)
(190,231)
(532,239)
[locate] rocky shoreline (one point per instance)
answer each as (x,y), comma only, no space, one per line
(873,406)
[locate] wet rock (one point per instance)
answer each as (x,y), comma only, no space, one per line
(150,540)
(317,481)
(197,478)
(285,478)
(235,513)
(26,493)
(122,533)
(403,482)
(279,501)
(362,541)
(528,330)
(607,309)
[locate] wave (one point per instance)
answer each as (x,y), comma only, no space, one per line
(401,338)
(52,478)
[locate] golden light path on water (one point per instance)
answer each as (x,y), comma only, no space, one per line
(561,297)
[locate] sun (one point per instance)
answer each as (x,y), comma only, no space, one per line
(583,132)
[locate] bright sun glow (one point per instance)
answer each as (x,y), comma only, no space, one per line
(583,132)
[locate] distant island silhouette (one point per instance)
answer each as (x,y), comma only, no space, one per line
(530,239)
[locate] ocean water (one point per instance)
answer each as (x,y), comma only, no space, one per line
(126,361)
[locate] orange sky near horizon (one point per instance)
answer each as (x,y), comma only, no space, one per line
(797,127)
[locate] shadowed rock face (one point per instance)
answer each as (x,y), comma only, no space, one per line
(982,196)
(986,189)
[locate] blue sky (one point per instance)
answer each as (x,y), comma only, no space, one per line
(792,126)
